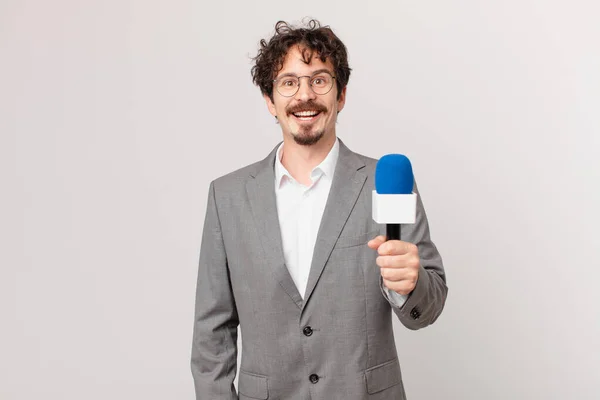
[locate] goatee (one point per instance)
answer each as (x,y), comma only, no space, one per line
(308,140)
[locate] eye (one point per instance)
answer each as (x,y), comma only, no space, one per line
(288,82)
(320,80)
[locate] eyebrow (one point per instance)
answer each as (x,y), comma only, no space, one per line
(314,73)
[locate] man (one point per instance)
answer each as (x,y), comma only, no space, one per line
(286,253)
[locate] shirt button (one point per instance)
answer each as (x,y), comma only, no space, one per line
(314,378)
(307,331)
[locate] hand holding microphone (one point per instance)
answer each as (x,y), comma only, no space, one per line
(394,203)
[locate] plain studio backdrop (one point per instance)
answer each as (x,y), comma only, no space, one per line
(116,115)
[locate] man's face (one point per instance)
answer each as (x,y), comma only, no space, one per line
(296,113)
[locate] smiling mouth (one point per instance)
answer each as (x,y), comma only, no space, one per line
(306,115)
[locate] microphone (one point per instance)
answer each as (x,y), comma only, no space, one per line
(393,201)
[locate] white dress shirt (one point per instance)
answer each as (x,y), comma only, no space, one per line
(300,209)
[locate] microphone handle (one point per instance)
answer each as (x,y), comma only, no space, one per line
(392,231)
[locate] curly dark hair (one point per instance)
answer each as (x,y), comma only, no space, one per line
(312,39)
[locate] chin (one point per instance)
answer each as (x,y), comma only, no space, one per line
(308,139)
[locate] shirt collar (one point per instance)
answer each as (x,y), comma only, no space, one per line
(327,166)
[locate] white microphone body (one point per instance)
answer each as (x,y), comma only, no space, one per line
(394,208)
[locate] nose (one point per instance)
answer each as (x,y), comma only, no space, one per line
(305,92)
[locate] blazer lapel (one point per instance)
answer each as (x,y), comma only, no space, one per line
(348,181)
(261,194)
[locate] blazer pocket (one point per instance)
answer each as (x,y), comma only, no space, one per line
(254,386)
(351,241)
(383,376)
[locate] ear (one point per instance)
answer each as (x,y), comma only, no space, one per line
(270,105)
(342,100)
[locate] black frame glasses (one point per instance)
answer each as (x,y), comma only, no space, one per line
(295,81)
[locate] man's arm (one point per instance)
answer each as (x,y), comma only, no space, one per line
(426,301)
(214,348)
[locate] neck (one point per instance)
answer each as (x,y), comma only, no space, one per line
(300,160)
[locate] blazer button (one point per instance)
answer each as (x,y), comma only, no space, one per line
(314,378)
(415,313)
(307,331)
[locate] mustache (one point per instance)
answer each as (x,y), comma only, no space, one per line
(308,106)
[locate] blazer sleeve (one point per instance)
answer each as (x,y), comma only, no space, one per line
(426,302)
(214,347)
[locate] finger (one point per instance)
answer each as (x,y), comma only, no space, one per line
(391,261)
(396,247)
(376,242)
(397,275)
(392,274)
(410,261)
(402,287)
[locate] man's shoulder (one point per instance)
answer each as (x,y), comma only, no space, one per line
(369,161)
(237,177)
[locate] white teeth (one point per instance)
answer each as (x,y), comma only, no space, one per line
(306,113)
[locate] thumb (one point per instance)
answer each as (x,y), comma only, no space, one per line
(376,242)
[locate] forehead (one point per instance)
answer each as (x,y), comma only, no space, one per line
(303,61)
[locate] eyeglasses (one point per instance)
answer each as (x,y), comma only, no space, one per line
(320,83)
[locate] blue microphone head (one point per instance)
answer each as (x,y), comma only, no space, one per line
(393,175)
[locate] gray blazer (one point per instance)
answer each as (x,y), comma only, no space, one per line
(338,342)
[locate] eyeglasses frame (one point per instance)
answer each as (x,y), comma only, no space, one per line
(309,83)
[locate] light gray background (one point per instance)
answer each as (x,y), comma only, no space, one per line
(116,115)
